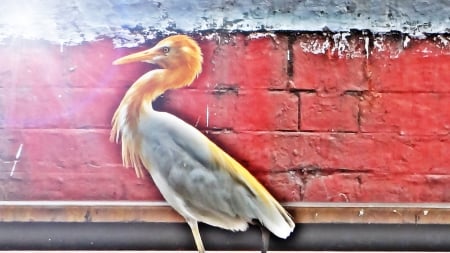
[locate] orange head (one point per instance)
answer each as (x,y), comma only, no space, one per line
(173,53)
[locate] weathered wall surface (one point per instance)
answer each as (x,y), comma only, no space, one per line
(316,116)
(331,122)
(131,22)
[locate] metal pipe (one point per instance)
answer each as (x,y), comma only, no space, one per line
(176,236)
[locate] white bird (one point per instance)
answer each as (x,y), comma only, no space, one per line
(196,177)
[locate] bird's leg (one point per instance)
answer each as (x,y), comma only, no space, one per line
(196,233)
(265,236)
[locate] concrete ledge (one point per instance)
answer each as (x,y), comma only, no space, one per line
(125,211)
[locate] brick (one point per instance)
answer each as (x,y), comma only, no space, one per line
(262,62)
(371,153)
(238,110)
(405,188)
(10,189)
(324,64)
(40,107)
(426,66)
(339,187)
(112,183)
(55,107)
(421,74)
(328,113)
(62,149)
(361,187)
(265,61)
(266,152)
(10,141)
(406,113)
(284,186)
(90,65)
(263,111)
(31,63)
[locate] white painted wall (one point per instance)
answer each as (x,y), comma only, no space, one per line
(130,22)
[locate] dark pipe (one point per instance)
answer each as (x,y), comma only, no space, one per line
(177,236)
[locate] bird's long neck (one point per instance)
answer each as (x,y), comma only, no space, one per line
(140,95)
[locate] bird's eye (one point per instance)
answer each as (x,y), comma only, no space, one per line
(165,50)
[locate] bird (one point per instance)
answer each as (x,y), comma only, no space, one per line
(194,175)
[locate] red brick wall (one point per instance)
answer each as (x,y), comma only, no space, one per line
(329,121)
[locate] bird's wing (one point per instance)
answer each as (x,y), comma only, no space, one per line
(269,212)
(210,180)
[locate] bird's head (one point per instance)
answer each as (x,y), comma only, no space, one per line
(173,53)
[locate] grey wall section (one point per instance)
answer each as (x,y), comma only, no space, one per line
(133,21)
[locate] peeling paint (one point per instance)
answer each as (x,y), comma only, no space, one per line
(259,35)
(381,45)
(341,44)
(406,42)
(366,46)
(315,46)
(378,44)
(443,40)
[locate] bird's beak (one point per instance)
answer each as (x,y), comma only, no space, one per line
(144,56)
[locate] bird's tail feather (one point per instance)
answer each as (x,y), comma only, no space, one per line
(275,218)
